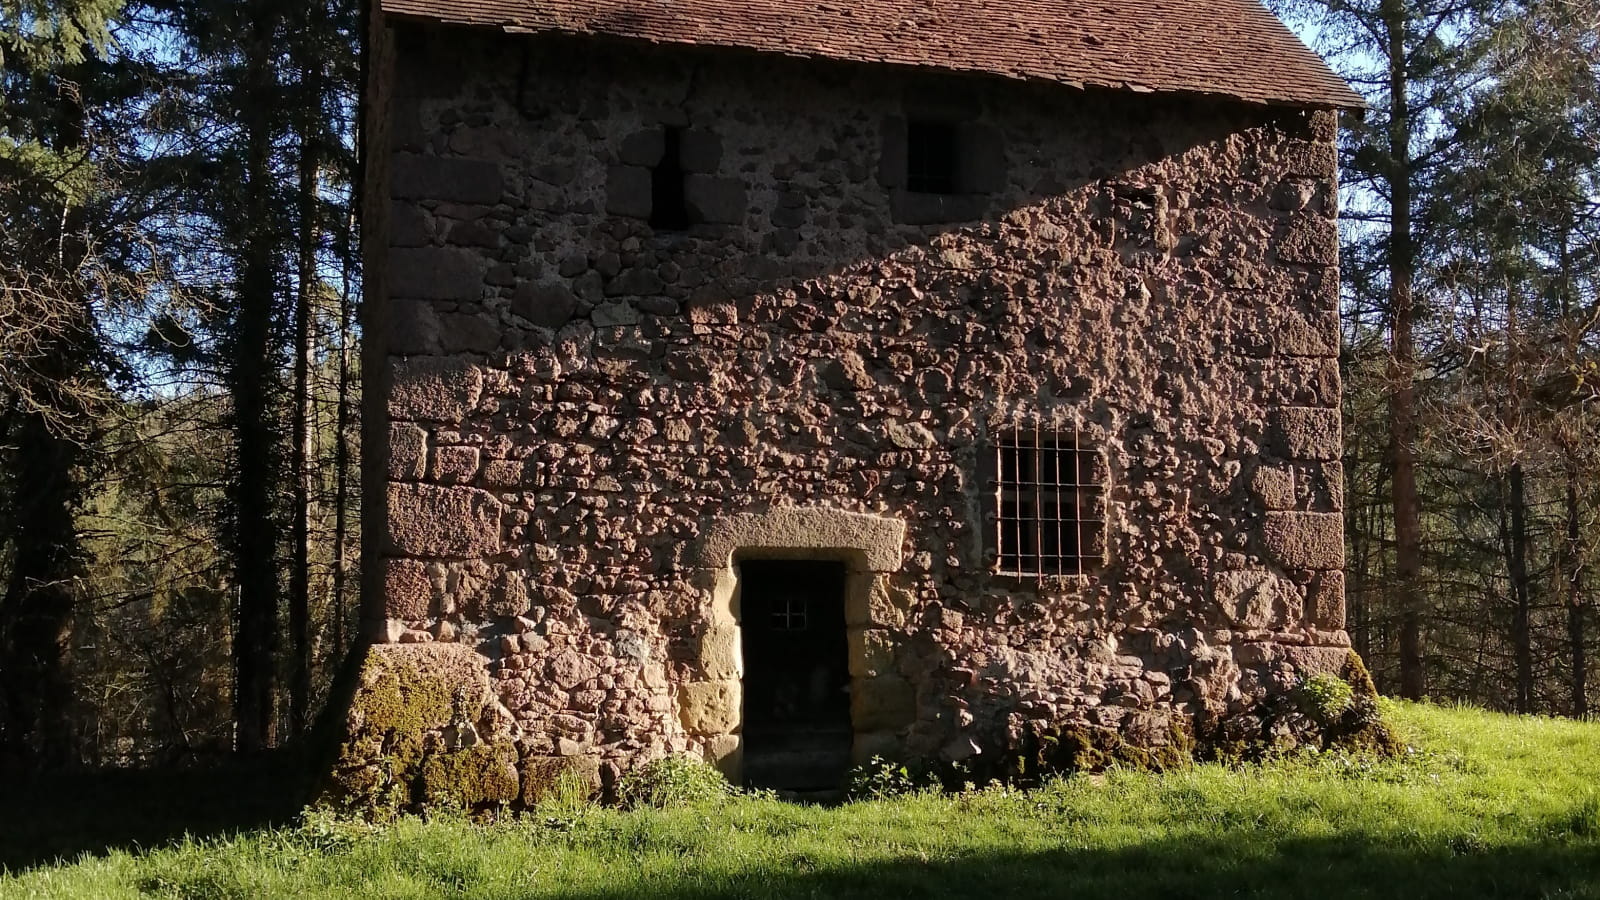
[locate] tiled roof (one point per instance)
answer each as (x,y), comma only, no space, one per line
(1230,48)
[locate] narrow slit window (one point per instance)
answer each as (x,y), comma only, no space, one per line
(933,157)
(669,208)
(1049,519)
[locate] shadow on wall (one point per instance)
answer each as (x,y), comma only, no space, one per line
(1330,868)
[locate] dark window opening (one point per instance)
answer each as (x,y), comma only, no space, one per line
(1049,519)
(669,208)
(933,157)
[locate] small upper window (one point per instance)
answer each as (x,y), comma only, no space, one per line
(669,207)
(933,157)
(1049,519)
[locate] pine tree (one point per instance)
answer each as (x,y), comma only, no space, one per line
(50,359)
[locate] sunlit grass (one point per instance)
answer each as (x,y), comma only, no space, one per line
(1486,806)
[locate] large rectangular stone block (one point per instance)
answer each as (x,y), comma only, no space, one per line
(436,273)
(884,703)
(408,452)
(709,707)
(419,177)
(434,389)
(429,521)
(1305,540)
(1309,239)
(407,590)
(1306,432)
(1325,602)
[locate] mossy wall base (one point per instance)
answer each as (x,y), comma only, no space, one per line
(423,732)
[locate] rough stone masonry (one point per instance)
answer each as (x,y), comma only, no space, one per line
(591,420)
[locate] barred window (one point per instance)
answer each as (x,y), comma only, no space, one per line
(1048,487)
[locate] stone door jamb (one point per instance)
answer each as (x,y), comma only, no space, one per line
(871,547)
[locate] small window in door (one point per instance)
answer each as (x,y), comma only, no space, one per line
(790,614)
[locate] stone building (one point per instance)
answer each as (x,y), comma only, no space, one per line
(787,384)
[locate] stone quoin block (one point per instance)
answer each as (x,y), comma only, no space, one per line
(408,452)
(469,333)
(1325,609)
(454,465)
(429,521)
(436,273)
(414,328)
(700,151)
(1309,239)
(1256,599)
(715,201)
(434,389)
(1298,334)
(418,177)
(1273,487)
(1304,432)
(407,590)
(628,192)
(642,148)
(884,703)
(709,707)
(1305,540)
(870,652)
(1311,159)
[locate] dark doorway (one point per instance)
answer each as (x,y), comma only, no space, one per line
(796,677)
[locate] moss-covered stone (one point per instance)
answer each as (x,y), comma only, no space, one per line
(1077,747)
(412,702)
(1290,722)
(1362,728)
(474,778)
(547,778)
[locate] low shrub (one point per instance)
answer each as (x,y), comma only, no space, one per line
(1326,696)
(880,779)
(672,781)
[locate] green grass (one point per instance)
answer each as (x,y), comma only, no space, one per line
(1487,806)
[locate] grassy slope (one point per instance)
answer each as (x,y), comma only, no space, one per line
(1490,806)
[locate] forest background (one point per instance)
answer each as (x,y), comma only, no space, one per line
(179,362)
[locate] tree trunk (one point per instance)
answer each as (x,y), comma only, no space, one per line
(1575,600)
(300,449)
(254,537)
(341,470)
(36,611)
(1402,364)
(1516,541)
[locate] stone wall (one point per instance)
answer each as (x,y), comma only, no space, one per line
(583,409)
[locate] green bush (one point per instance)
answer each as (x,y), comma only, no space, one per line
(1326,696)
(673,781)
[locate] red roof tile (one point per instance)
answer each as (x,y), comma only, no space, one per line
(1230,48)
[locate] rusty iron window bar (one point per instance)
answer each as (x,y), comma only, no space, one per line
(1048,489)
(790,615)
